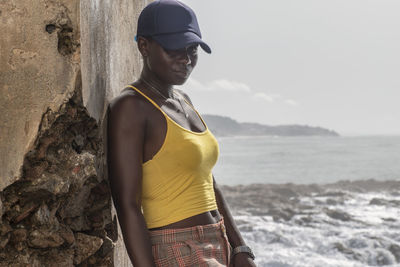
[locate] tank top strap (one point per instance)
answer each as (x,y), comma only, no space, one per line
(148,98)
(187,102)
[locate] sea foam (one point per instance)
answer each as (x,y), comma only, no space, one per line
(332,226)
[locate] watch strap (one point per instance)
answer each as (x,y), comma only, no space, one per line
(243,249)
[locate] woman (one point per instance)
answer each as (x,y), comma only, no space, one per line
(160,154)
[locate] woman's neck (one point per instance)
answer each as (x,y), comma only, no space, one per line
(151,80)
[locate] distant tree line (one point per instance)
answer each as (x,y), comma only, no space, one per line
(225,126)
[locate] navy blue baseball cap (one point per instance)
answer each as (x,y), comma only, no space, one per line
(170,23)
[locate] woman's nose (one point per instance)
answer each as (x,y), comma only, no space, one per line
(185,58)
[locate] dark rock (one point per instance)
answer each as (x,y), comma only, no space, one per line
(87,162)
(340,247)
(246,228)
(258,212)
(5,228)
(286,192)
(67,235)
(18,239)
(57,258)
(395,193)
(332,194)
(384,202)
(395,202)
(19,235)
(383,258)
(378,201)
(75,205)
(369,185)
(62,258)
(79,223)
(4,240)
(112,229)
(22,259)
(96,219)
(25,212)
(20,246)
(389,219)
(279,214)
(357,243)
(338,215)
(51,183)
(107,247)
(395,250)
(44,217)
(86,246)
(306,220)
(44,239)
(92,260)
(347,251)
(36,171)
(331,202)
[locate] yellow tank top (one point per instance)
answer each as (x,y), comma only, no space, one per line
(177,181)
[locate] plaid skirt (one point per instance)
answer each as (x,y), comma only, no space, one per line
(198,246)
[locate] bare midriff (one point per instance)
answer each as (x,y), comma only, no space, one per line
(209,217)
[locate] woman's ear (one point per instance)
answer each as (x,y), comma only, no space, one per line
(143,46)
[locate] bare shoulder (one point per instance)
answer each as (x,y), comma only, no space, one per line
(128,108)
(128,99)
(127,102)
(184,95)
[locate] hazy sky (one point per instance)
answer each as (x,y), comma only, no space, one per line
(334,64)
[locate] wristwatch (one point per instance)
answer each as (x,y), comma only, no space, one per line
(243,249)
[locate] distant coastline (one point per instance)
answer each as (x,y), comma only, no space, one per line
(226,126)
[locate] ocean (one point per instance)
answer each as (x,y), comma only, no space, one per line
(306,160)
(315,201)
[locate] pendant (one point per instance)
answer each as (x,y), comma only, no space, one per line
(186,115)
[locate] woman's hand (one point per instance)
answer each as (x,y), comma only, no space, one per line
(242,260)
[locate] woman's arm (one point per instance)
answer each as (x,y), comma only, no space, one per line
(125,139)
(234,236)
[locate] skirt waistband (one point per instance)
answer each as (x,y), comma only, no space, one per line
(199,232)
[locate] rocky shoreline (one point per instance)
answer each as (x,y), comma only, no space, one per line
(341,224)
(282,200)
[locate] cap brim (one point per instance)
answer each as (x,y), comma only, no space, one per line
(180,40)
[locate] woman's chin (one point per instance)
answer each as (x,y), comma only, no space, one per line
(180,80)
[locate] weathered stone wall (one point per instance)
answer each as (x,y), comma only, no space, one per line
(110,60)
(62,61)
(40,60)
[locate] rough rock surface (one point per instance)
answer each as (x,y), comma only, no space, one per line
(63,61)
(40,55)
(281,201)
(45,211)
(51,185)
(86,246)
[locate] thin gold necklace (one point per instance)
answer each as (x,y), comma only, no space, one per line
(153,89)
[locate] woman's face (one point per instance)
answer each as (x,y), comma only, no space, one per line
(172,67)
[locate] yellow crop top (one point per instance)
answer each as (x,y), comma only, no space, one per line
(177,181)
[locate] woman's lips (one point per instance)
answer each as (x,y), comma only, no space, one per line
(182,73)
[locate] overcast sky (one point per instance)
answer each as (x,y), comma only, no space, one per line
(334,64)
